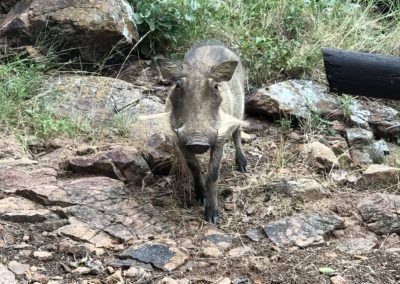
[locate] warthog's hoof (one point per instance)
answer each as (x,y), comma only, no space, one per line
(242,168)
(211,215)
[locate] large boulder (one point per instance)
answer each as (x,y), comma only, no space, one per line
(99,101)
(90,29)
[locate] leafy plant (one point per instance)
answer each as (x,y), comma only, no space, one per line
(285,123)
(345,103)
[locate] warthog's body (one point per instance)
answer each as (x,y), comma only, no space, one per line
(206,108)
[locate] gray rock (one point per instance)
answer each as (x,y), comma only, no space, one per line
(164,257)
(218,238)
(253,235)
(378,176)
(101,101)
(356,245)
(18,268)
(303,230)
(381,212)
(125,164)
(364,149)
(319,156)
(6,276)
(160,153)
(307,189)
(95,27)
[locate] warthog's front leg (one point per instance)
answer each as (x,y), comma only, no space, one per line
(211,206)
(198,177)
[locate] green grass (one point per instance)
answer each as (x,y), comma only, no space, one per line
(276,39)
(21,109)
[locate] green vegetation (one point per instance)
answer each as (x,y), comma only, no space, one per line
(275,38)
(345,103)
(20,110)
(284,123)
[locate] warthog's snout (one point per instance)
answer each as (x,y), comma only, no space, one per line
(197,147)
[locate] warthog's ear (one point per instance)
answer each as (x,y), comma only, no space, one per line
(223,71)
(169,70)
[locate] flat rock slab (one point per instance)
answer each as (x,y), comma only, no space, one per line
(379,176)
(82,191)
(18,268)
(124,164)
(12,178)
(80,231)
(6,276)
(253,235)
(307,189)
(162,256)
(356,245)
(303,230)
(218,238)
(381,212)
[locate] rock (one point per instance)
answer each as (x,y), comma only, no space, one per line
(253,235)
(115,278)
(381,212)
(356,245)
(212,251)
(12,179)
(218,238)
(82,270)
(303,230)
(101,101)
(223,280)
(125,164)
(80,231)
(291,98)
(25,253)
(18,268)
(40,278)
(83,191)
(10,148)
(378,176)
(162,256)
(307,189)
(159,153)
(43,255)
(364,149)
(238,252)
(168,280)
(21,210)
(56,159)
(319,156)
(137,274)
(338,280)
(95,27)
(6,276)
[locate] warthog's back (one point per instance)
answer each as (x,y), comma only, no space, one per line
(201,59)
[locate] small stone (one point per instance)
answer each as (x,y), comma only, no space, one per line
(25,238)
(240,251)
(82,270)
(356,245)
(115,278)
(223,280)
(109,270)
(319,156)
(18,268)
(377,176)
(168,280)
(25,253)
(137,273)
(229,206)
(43,255)
(212,251)
(41,278)
(338,280)
(6,276)
(220,239)
(253,235)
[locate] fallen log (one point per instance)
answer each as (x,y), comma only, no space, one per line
(363,74)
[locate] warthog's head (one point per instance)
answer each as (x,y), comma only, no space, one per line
(195,102)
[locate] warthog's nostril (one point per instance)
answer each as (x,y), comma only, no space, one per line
(197,148)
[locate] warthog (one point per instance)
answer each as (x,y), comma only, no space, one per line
(205,109)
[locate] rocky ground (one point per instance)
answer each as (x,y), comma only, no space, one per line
(319,203)
(281,223)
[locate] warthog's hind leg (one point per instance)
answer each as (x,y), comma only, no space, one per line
(240,158)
